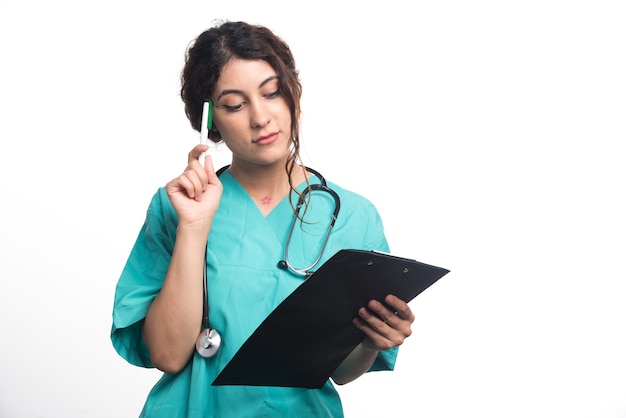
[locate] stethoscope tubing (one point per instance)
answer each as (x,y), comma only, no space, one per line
(209,340)
(307,271)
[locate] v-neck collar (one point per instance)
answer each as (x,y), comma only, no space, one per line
(280,206)
(240,221)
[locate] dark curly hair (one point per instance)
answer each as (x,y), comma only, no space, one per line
(211,50)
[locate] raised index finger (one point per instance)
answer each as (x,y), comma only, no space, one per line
(196,152)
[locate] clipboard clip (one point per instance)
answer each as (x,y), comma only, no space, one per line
(371,262)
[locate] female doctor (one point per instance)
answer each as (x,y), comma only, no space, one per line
(239,223)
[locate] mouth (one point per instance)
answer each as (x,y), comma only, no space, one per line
(266,139)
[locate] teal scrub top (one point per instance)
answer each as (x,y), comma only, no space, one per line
(244,286)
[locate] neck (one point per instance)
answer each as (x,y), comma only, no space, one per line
(259,177)
(266,184)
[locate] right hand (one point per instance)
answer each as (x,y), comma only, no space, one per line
(196,193)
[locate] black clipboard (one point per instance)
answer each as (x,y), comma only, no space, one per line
(310,333)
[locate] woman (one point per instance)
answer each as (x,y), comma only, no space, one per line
(239,222)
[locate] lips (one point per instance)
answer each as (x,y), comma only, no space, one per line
(267,139)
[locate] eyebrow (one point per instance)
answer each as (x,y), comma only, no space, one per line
(235,91)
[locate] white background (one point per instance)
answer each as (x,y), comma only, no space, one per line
(488,133)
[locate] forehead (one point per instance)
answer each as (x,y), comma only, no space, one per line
(243,74)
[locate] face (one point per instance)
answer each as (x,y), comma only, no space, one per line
(251,114)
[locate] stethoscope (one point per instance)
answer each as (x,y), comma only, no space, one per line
(209,340)
(322,187)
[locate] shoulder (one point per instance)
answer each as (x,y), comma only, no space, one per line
(355,207)
(359,218)
(351,200)
(160,204)
(160,215)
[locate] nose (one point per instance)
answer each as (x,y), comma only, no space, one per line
(259,114)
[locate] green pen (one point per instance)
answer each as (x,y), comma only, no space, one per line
(206,125)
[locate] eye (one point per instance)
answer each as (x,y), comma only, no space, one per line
(234,108)
(272,94)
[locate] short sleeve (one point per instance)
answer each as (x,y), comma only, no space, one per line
(375,239)
(142,279)
(385,360)
(375,232)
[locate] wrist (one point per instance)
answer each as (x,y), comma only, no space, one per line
(194,230)
(368,348)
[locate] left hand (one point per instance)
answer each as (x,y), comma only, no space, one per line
(385,327)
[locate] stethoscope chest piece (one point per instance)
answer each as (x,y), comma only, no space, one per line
(208,342)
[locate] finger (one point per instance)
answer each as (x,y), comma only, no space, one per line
(198,183)
(375,321)
(397,325)
(195,153)
(373,338)
(402,318)
(181,184)
(386,314)
(209,170)
(385,333)
(400,307)
(191,183)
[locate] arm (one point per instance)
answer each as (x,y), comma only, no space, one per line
(383,330)
(174,319)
